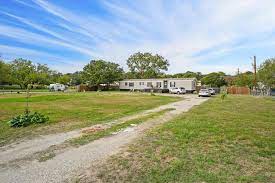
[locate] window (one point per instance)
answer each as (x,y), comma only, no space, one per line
(172,84)
(165,84)
(158,84)
(126,83)
(141,83)
(149,84)
(131,84)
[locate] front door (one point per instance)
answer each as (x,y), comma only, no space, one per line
(165,84)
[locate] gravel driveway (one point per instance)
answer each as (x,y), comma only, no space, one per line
(71,162)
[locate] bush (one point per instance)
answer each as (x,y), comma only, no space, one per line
(223,95)
(27,119)
(10,87)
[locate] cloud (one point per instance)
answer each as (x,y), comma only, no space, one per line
(24,3)
(187,33)
(60,64)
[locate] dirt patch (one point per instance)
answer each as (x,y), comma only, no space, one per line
(95,128)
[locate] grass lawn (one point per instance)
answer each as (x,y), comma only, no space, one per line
(69,111)
(220,141)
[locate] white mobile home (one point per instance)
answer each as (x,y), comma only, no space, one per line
(57,87)
(158,84)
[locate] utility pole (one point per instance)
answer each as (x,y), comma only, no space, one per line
(238,71)
(255,70)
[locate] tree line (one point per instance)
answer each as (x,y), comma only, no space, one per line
(141,65)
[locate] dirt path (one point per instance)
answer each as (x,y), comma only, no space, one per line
(19,150)
(68,164)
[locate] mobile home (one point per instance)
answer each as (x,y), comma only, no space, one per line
(160,84)
(57,87)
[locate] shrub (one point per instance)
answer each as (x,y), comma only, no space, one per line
(223,95)
(27,119)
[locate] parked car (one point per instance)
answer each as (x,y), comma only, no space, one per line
(179,90)
(212,91)
(204,93)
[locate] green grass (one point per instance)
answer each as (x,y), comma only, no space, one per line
(220,141)
(16,89)
(88,137)
(68,111)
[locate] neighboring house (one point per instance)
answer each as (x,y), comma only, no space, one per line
(57,87)
(161,84)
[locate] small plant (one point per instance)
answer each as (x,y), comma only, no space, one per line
(223,95)
(27,119)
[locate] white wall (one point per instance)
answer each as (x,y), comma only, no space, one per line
(188,84)
(137,84)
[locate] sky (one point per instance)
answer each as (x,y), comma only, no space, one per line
(194,35)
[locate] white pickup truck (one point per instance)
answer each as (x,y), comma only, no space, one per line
(179,90)
(204,93)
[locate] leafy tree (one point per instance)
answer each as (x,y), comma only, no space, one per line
(189,74)
(64,79)
(102,72)
(146,65)
(54,78)
(5,73)
(76,78)
(229,80)
(23,72)
(42,74)
(214,79)
(129,75)
(244,79)
(166,75)
(266,72)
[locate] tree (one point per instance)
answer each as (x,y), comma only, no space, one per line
(129,75)
(76,78)
(146,65)
(54,78)
(23,72)
(5,73)
(102,72)
(266,72)
(42,74)
(214,79)
(189,74)
(244,79)
(64,79)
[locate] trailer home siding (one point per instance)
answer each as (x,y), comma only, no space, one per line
(163,83)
